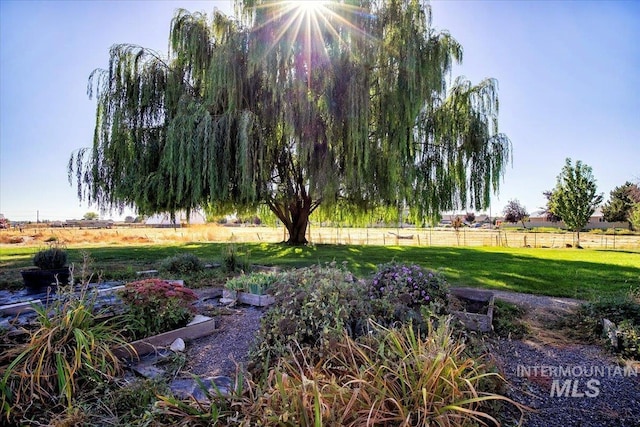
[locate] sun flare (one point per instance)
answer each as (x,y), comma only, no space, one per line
(310,6)
(308,28)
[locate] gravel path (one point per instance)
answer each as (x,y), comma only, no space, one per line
(574,385)
(567,384)
(218,353)
(534,302)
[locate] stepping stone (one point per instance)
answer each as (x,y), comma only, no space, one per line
(148,371)
(184,388)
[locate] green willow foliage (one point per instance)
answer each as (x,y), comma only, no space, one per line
(345,108)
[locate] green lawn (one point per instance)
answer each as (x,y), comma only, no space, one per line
(585,274)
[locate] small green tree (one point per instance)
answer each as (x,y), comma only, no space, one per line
(621,202)
(91,216)
(634,217)
(515,212)
(546,210)
(575,197)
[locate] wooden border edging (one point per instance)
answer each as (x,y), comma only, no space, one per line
(205,326)
(249,298)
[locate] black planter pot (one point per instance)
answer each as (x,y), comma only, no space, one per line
(37,280)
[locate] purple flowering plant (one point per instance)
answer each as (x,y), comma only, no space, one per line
(409,285)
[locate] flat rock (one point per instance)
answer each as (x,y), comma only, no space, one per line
(610,330)
(148,371)
(201,388)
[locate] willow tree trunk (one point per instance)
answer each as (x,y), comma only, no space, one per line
(298,228)
(295,217)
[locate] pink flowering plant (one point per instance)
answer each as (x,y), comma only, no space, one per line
(400,291)
(155,306)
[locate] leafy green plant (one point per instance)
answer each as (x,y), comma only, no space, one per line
(209,277)
(182,263)
(507,320)
(222,409)
(390,377)
(623,311)
(70,349)
(403,292)
(629,338)
(155,306)
(133,401)
(614,309)
(313,307)
(52,258)
(255,283)
(233,261)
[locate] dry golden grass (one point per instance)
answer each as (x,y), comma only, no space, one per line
(129,235)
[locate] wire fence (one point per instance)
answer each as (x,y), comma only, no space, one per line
(465,237)
(472,237)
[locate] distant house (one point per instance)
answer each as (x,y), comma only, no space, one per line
(447,219)
(538,219)
(483,219)
(180,219)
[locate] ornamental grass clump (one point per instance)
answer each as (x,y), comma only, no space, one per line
(407,292)
(389,377)
(155,306)
(52,258)
(182,263)
(69,350)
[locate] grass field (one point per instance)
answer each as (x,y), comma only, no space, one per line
(585,274)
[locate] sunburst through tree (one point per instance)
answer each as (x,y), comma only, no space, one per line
(336,107)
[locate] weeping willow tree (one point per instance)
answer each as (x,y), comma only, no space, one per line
(343,106)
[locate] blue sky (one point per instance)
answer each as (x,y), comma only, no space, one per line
(567,71)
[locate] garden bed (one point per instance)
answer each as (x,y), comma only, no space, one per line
(474,308)
(248,298)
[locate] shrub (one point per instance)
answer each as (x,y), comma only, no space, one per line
(313,307)
(507,321)
(255,283)
(183,263)
(616,310)
(402,292)
(391,377)
(232,261)
(51,258)
(623,311)
(70,349)
(155,306)
(629,339)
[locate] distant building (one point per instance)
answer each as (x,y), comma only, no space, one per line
(596,221)
(164,219)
